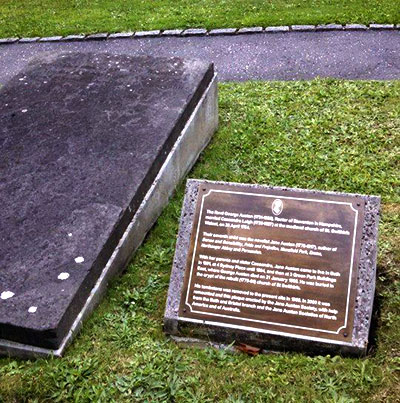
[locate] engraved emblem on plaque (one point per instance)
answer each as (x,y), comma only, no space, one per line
(277,206)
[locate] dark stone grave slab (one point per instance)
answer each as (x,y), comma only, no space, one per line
(90,143)
(273,267)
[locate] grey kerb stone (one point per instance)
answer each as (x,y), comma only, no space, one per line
(356,27)
(144,34)
(172,32)
(381,26)
(277,29)
(121,35)
(303,27)
(330,27)
(251,30)
(223,31)
(194,32)
(50,39)
(74,38)
(97,37)
(5,41)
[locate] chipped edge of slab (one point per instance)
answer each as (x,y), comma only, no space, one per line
(222,31)
(97,37)
(146,34)
(195,136)
(303,28)
(121,35)
(206,32)
(194,32)
(274,340)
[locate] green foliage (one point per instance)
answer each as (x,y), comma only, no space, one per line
(324,134)
(61,17)
(331,136)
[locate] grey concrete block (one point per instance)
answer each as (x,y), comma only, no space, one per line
(194,32)
(29,40)
(97,37)
(355,27)
(277,29)
(194,137)
(74,38)
(305,28)
(223,31)
(330,27)
(50,39)
(145,34)
(121,35)
(6,41)
(250,30)
(172,32)
(184,92)
(381,26)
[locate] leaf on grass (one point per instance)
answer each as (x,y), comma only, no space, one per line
(250,350)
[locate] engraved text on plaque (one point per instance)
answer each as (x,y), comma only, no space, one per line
(280,262)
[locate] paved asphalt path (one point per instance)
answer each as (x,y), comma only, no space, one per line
(283,56)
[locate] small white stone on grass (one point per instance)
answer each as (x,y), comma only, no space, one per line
(63,276)
(79,259)
(6,294)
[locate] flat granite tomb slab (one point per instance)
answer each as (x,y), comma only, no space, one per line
(275,268)
(92,147)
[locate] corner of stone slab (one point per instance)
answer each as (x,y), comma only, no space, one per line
(192,181)
(357,350)
(57,353)
(170,326)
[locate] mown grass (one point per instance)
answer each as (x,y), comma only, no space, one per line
(324,134)
(61,17)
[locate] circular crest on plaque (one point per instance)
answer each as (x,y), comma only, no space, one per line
(277,206)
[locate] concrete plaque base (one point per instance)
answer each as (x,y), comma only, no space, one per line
(303,278)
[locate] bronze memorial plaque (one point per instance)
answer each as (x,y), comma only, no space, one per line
(275,261)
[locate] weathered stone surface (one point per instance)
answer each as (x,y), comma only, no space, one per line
(120,35)
(172,32)
(97,37)
(251,30)
(29,40)
(364,295)
(144,34)
(74,38)
(329,27)
(194,32)
(277,29)
(304,28)
(356,27)
(50,39)
(83,137)
(6,41)
(223,31)
(381,26)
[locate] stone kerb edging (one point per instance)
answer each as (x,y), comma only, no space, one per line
(205,32)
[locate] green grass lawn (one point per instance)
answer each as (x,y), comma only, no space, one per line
(60,17)
(323,134)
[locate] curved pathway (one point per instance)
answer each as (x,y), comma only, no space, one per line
(264,56)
